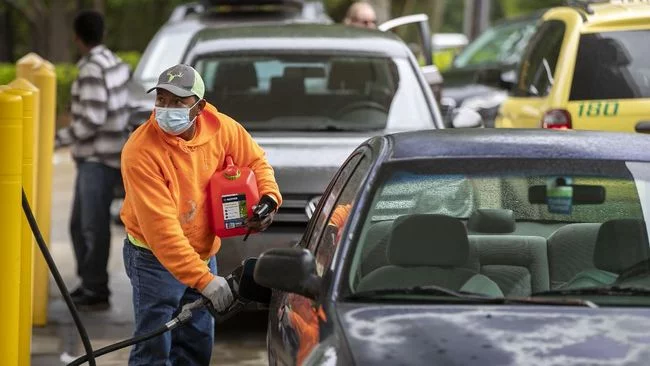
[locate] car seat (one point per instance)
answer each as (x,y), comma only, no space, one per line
(426,250)
(620,245)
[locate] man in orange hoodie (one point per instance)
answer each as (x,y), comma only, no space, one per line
(169,251)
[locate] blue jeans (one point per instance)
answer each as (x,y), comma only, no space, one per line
(90,223)
(157,298)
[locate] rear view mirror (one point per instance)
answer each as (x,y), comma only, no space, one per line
(304,72)
(288,269)
(467,118)
(581,194)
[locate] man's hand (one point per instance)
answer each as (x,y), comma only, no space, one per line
(257,223)
(219,294)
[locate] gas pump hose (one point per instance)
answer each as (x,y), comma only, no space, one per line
(59,281)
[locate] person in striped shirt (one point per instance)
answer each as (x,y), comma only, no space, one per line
(96,134)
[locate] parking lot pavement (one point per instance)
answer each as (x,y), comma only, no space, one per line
(240,341)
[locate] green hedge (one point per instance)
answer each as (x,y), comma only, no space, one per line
(65,75)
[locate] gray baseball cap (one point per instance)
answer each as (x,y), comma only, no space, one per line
(181,80)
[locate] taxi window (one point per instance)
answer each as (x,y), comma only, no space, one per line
(612,65)
(538,64)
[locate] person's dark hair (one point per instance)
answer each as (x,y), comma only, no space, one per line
(89,27)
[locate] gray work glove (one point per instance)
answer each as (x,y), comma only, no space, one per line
(218,292)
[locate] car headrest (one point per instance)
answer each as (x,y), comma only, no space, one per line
(233,76)
(620,245)
(492,220)
(428,240)
(350,75)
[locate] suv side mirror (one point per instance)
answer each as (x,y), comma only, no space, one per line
(288,269)
(496,78)
(467,118)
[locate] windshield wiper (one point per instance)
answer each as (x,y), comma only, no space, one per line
(467,296)
(417,290)
(608,290)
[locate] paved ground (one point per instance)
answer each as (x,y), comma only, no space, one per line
(240,341)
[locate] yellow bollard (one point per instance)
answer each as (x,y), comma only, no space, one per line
(25,89)
(45,81)
(27,64)
(11,108)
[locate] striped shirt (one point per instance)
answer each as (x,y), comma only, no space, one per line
(98,129)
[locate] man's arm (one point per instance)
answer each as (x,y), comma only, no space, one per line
(89,106)
(157,217)
(246,152)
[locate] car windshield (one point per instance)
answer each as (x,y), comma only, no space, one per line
(519,229)
(623,66)
(315,92)
(498,45)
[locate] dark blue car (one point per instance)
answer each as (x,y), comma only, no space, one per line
(479,247)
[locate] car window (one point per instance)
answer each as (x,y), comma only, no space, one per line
(328,202)
(504,227)
(622,69)
(339,217)
(538,63)
(498,45)
(315,92)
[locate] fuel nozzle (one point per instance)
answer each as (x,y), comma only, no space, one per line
(262,211)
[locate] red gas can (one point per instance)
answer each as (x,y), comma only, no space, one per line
(232,193)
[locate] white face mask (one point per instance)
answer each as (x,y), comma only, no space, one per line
(175,121)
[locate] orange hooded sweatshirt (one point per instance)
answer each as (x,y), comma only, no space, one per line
(166,179)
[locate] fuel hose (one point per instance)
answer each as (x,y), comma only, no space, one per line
(59,281)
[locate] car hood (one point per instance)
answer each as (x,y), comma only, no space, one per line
(304,163)
(452,335)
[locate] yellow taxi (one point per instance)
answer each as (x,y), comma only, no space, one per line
(587,67)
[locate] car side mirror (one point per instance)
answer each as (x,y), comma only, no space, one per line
(496,78)
(288,269)
(467,118)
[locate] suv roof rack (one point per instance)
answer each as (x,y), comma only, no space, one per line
(253,5)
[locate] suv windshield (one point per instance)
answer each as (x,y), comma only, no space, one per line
(498,45)
(314,92)
(508,228)
(612,65)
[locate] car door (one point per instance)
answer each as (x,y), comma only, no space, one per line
(529,99)
(294,328)
(424,45)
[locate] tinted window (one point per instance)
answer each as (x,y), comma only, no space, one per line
(339,218)
(315,93)
(538,64)
(612,65)
(502,45)
(323,215)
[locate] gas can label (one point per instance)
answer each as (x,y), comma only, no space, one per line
(234,210)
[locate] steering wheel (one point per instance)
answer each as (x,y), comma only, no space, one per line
(363,104)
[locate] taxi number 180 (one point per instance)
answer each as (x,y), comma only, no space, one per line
(597,109)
